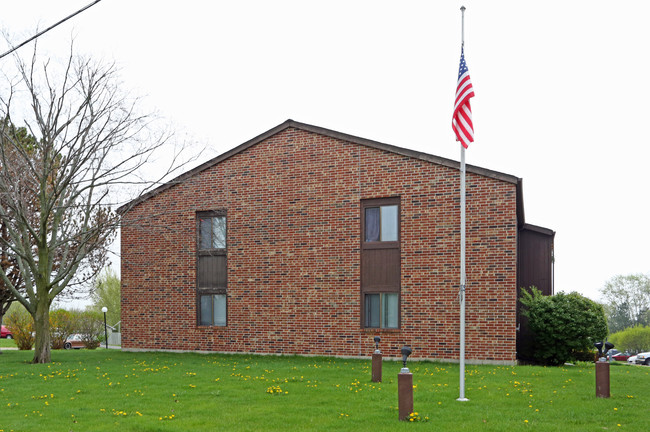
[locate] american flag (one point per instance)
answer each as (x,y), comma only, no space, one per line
(462,121)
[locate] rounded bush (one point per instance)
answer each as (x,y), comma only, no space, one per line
(565,326)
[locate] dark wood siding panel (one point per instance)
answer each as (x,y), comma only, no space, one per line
(211,272)
(534,268)
(380,270)
(536,261)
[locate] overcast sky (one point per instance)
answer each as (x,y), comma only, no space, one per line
(561,91)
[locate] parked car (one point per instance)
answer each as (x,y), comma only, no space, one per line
(631,359)
(611,353)
(73,342)
(621,356)
(5,333)
(643,358)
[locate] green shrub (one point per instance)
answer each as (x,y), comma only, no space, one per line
(91,328)
(63,323)
(21,324)
(565,325)
(634,339)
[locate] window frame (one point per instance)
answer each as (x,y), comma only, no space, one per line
(200,308)
(382,317)
(381,290)
(380,202)
(210,289)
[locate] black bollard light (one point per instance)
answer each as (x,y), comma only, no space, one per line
(376,362)
(405,387)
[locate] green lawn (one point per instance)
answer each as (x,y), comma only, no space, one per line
(7,343)
(111,390)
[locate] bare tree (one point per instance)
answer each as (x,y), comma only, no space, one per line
(56,200)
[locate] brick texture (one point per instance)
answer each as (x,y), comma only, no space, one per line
(293,211)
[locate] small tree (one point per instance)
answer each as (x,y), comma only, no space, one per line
(21,324)
(106,292)
(91,329)
(564,325)
(63,323)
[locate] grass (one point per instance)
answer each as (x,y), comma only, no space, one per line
(111,390)
(7,343)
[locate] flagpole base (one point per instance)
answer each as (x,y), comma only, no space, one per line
(462,399)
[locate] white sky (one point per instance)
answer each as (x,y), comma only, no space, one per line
(561,90)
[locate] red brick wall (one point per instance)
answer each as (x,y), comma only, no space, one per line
(293,209)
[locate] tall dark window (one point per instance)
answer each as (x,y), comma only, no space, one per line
(380,263)
(212,268)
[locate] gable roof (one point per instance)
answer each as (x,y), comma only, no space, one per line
(344,137)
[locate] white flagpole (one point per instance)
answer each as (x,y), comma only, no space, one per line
(461,293)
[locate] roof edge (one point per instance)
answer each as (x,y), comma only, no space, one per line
(538,229)
(205,165)
(403,151)
(336,135)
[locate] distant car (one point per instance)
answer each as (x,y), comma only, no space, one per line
(73,342)
(621,356)
(611,353)
(631,359)
(5,333)
(643,358)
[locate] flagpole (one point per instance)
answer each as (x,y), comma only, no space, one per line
(461,293)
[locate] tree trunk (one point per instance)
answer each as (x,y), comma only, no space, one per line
(42,346)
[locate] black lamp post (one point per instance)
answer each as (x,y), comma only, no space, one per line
(105,309)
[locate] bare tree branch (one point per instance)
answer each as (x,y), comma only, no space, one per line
(57,191)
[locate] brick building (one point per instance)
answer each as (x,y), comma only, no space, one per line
(304,240)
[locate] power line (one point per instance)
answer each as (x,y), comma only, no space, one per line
(49,28)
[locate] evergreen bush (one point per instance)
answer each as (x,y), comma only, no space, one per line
(565,326)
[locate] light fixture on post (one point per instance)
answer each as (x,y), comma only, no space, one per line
(105,309)
(405,387)
(608,346)
(406,352)
(602,369)
(376,361)
(599,347)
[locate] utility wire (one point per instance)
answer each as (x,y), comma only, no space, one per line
(49,28)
